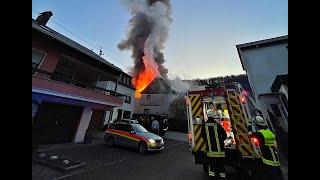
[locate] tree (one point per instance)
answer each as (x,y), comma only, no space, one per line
(178,109)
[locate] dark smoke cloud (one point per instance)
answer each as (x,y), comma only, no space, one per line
(148,31)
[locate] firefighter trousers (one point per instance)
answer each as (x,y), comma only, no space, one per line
(216,166)
(267,172)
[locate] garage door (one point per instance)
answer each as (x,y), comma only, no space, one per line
(56,123)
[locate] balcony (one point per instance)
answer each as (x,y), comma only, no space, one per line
(65,84)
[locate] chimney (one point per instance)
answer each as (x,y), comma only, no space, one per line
(44,17)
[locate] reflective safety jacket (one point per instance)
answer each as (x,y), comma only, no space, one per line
(268,151)
(215,136)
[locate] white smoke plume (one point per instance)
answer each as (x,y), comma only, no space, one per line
(147,33)
(179,86)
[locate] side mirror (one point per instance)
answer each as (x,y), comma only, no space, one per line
(132,132)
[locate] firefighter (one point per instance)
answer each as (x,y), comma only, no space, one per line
(215,136)
(226,124)
(155,126)
(212,110)
(270,166)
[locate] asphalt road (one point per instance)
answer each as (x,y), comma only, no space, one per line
(174,163)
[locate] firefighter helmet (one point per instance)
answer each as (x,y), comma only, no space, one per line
(260,121)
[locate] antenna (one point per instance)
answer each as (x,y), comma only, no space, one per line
(100,51)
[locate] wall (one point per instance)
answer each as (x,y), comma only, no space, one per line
(83,125)
(126,106)
(52,54)
(66,90)
(158,104)
(86,116)
(284,89)
(263,64)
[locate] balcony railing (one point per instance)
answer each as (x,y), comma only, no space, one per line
(75,82)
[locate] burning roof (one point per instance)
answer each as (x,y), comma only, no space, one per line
(158,86)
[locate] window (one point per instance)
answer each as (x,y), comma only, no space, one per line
(126,127)
(276,110)
(63,74)
(127,99)
(138,128)
(148,97)
(119,116)
(37,57)
(146,111)
(126,114)
(126,80)
(119,127)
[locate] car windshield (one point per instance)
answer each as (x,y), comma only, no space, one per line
(138,128)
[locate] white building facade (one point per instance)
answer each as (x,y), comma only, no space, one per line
(123,87)
(154,104)
(126,110)
(266,64)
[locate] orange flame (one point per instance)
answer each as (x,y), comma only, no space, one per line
(145,77)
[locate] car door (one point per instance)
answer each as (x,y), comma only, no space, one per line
(126,139)
(114,133)
(121,131)
(132,141)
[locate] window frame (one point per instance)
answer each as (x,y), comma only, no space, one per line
(44,56)
(124,114)
(126,99)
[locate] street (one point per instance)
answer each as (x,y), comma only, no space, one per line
(175,162)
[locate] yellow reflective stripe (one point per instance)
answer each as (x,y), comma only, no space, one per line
(115,133)
(211,173)
(208,138)
(216,136)
(269,144)
(222,175)
(271,163)
(210,124)
(273,154)
(216,154)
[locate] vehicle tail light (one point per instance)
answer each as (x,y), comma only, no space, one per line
(243,99)
(189,137)
(255,140)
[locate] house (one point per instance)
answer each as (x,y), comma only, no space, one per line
(155,98)
(266,64)
(74,90)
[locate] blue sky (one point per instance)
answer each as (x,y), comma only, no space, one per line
(202,36)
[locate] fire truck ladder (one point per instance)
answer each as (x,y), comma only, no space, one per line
(238,124)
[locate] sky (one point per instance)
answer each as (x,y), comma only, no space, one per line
(202,38)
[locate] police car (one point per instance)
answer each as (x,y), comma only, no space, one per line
(133,135)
